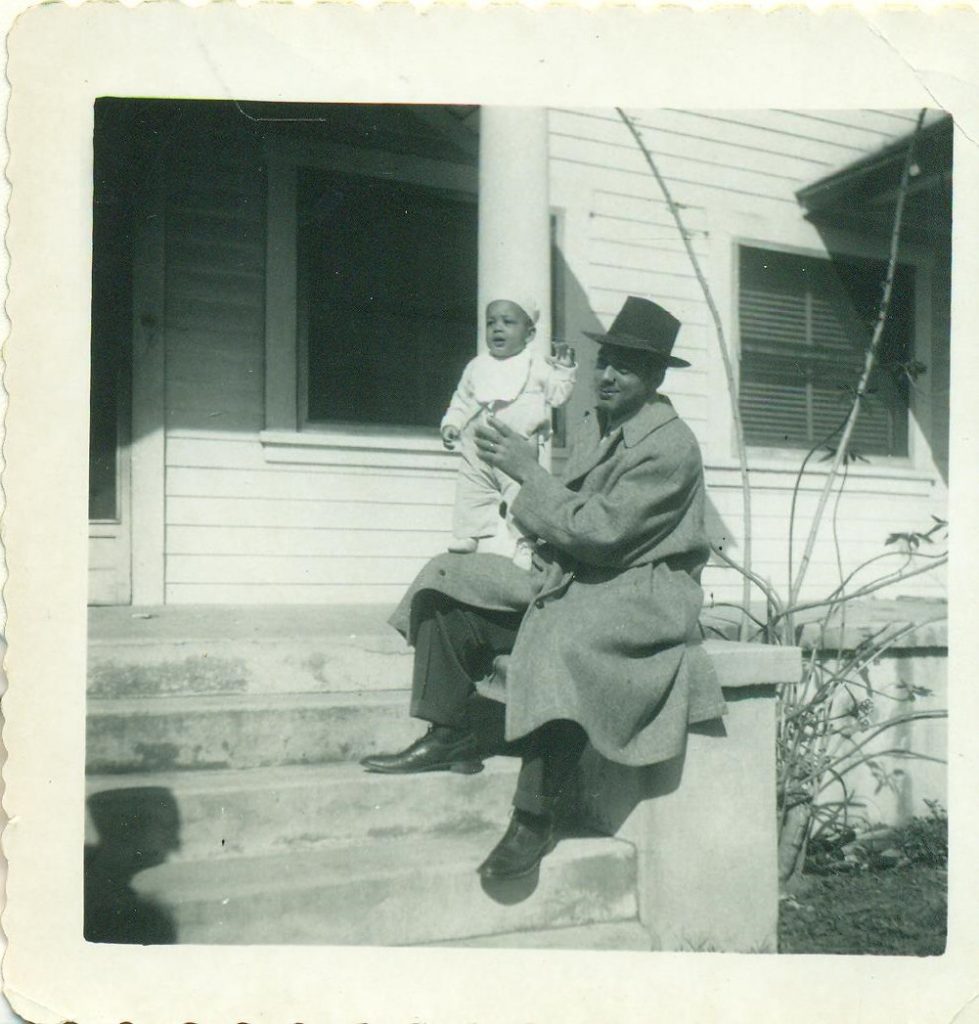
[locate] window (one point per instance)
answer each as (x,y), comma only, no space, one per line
(805,324)
(386,298)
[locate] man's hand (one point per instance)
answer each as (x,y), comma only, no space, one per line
(450,437)
(505,449)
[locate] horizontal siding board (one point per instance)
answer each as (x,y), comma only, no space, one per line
(216,452)
(277,514)
(840,142)
(290,570)
(645,251)
(640,282)
(280,542)
(299,485)
(872,123)
(896,484)
(607,302)
(687,182)
(615,205)
(664,137)
(751,173)
(730,134)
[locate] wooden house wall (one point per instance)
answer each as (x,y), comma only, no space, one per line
(734,175)
(242,529)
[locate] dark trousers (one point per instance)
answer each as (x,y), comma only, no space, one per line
(454,648)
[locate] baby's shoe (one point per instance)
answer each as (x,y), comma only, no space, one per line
(522,555)
(463,545)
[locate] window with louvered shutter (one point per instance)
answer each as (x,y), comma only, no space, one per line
(805,324)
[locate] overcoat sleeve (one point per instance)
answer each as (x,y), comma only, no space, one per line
(639,507)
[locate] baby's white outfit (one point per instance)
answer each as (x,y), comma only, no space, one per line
(519,391)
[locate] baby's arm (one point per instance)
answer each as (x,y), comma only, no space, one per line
(460,411)
(560,376)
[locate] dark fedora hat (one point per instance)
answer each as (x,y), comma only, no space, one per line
(644,325)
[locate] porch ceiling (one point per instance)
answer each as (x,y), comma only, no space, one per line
(863,195)
(437,131)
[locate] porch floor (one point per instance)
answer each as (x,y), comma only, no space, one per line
(235,622)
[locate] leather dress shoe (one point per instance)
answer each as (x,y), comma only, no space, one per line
(440,749)
(526,842)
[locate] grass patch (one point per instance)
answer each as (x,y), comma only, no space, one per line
(897,912)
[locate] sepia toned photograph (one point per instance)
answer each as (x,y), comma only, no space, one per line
(487,516)
(484,501)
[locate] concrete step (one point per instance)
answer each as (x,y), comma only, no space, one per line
(614,935)
(390,893)
(219,814)
(243,730)
(161,666)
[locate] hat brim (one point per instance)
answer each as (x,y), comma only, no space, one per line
(642,344)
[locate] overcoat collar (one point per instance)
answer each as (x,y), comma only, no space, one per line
(591,449)
(649,418)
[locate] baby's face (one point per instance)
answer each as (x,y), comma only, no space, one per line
(508,329)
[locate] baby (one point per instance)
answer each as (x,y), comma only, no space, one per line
(518,387)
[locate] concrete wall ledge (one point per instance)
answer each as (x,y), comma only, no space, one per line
(747,664)
(704,824)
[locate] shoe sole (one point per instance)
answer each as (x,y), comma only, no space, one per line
(489,877)
(459,767)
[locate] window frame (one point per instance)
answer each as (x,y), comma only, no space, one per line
(815,360)
(288,435)
(844,245)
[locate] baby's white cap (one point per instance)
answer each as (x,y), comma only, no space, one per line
(527,303)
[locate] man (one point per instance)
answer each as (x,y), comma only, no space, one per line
(602,634)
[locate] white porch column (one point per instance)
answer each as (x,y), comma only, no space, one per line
(514,213)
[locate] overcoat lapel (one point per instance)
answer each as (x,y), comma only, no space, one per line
(588,451)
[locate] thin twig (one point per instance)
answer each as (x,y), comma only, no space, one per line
(869,362)
(722,345)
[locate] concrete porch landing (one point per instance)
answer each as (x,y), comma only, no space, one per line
(134,624)
(235,732)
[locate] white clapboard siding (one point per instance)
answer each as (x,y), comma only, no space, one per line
(839,137)
(285,569)
(271,514)
(644,205)
(314,542)
(629,160)
(734,139)
(298,484)
(788,163)
(243,529)
(382,595)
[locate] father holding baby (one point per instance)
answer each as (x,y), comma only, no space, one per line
(602,632)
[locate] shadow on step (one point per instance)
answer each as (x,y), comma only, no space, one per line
(137,828)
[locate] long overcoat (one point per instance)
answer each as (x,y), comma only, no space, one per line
(609,637)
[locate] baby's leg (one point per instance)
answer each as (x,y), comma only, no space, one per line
(477,502)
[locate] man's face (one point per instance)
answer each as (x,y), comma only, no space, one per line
(624,382)
(508,329)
